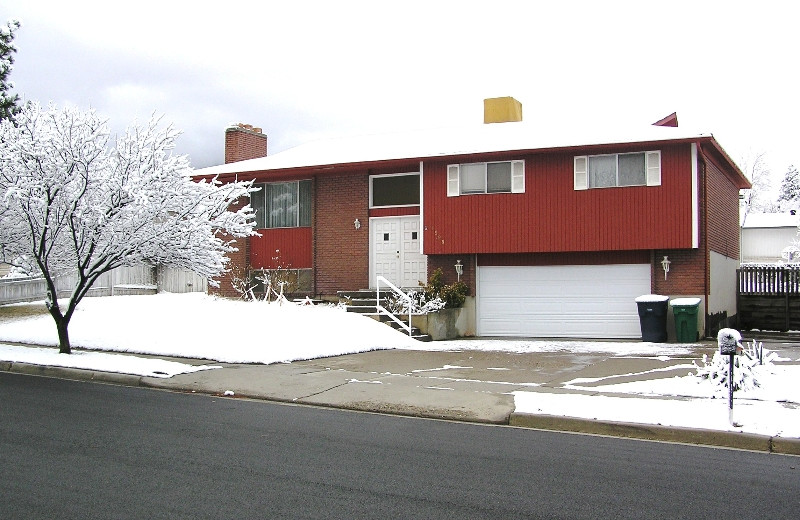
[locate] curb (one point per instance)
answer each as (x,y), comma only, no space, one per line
(650,432)
(71,373)
(653,432)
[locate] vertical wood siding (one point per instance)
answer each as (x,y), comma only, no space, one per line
(551,216)
(281,247)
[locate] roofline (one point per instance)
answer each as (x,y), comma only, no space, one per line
(741,180)
(331,167)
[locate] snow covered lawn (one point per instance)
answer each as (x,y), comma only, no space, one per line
(197,326)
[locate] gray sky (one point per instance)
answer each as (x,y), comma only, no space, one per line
(305,70)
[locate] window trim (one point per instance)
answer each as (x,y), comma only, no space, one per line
(652,170)
(400,174)
(517,172)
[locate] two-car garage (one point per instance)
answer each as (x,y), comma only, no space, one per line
(581,301)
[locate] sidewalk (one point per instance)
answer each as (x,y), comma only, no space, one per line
(468,385)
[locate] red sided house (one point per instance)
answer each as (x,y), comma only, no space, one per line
(558,232)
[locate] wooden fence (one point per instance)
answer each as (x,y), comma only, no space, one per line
(768,297)
(124,280)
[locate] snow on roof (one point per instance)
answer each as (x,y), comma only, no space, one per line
(444,142)
(770,220)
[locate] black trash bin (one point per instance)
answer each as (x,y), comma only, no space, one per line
(653,317)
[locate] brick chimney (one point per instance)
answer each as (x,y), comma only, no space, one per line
(244,142)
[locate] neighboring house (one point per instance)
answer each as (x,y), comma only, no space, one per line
(558,232)
(767,238)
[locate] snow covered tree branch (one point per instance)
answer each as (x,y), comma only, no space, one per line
(71,201)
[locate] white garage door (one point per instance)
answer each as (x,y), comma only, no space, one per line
(578,301)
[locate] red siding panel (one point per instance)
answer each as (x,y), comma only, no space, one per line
(394,212)
(552,217)
(281,247)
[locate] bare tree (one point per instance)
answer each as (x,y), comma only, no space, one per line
(71,201)
(756,169)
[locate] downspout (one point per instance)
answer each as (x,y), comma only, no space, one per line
(706,247)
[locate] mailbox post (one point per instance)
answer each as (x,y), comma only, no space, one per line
(729,341)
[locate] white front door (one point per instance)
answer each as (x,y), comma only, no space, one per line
(396,255)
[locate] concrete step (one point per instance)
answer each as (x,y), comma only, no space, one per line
(364,302)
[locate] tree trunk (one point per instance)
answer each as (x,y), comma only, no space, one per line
(63,335)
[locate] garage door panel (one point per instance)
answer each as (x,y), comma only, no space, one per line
(561,301)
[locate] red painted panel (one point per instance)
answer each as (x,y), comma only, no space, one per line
(552,217)
(584,258)
(281,247)
(394,212)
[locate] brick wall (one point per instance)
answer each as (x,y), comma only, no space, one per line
(687,272)
(238,264)
(723,212)
(342,252)
(244,142)
(447,264)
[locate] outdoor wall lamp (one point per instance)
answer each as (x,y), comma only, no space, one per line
(357,224)
(459,269)
(665,265)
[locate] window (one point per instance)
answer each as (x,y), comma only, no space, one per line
(493,177)
(394,190)
(282,204)
(624,169)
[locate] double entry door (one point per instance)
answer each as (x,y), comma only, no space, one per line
(396,253)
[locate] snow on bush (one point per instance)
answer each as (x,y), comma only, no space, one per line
(745,371)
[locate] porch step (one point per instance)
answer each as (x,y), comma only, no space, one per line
(365,302)
(415,332)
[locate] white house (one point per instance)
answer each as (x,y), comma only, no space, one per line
(768,237)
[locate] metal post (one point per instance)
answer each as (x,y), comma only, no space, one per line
(730,391)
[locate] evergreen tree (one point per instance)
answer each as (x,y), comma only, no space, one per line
(789,194)
(8,101)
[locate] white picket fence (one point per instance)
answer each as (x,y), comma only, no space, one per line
(122,281)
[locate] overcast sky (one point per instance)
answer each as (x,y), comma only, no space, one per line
(306,70)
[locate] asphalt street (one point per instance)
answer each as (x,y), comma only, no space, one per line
(86,450)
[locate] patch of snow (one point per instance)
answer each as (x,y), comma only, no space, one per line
(765,418)
(99,361)
(651,298)
(685,301)
(446,367)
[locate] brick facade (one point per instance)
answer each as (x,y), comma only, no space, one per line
(341,259)
(238,265)
(723,212)
(447,264)
(244,142)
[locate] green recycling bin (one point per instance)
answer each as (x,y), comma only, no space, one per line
(685,312)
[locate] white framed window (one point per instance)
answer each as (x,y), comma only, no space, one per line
(282,204)
(619,169)
(485,177)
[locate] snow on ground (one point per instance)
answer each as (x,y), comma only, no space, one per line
(687,401)
(203,327)
(522,346)
(98,361)
(197,326)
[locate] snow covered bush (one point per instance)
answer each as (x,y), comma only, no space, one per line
(453,295)
(744,371)
(432,297)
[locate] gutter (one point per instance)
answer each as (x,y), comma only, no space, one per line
(706,248)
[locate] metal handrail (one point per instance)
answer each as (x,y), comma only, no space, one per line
(399,292)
